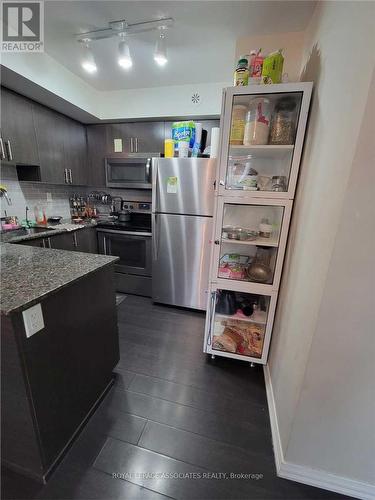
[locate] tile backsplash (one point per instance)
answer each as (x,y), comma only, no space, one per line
(53,198)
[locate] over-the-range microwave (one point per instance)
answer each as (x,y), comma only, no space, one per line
(130,172)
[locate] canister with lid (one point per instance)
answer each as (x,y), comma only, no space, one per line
(283,122)
(238,124)
(257,122)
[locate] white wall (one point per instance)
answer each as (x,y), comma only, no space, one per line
(336,409)
(312,389)
(155,102)
(291,43)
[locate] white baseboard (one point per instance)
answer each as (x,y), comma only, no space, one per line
(306,475)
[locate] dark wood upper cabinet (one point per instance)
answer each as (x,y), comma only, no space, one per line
(97,151)
(49,127)
(148,137)
(17,129)
(75,150)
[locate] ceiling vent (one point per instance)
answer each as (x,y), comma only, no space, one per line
(196,98)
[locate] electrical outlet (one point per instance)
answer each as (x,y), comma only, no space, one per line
(49,197)
(33,319)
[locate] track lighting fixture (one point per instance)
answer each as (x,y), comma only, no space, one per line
(124,58)
(123,29)
(160,54)
(88,61)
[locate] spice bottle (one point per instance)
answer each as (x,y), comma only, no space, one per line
(283,122)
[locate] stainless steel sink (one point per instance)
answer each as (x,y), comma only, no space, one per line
(35,230)
(13,233)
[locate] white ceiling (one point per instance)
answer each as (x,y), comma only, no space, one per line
(201,45)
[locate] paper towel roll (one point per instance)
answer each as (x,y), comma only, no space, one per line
(215,133)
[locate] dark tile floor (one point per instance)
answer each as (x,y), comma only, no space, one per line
(175,425)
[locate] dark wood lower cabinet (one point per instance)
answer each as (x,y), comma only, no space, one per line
(81,240)
(52,380)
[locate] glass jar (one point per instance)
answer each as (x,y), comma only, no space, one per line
(283,122)
(257,125)
(238,124)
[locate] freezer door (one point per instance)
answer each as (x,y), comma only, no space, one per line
(183,185)
(181,255)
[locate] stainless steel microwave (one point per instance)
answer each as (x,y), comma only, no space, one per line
(130,172)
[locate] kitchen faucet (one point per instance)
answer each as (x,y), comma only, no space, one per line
(27,220)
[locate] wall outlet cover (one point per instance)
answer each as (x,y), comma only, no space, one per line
(33,320)
(49,197)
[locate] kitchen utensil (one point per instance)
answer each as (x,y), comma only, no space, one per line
(259,272)
(124,216)
(226,302)
(54,219)
(279,183)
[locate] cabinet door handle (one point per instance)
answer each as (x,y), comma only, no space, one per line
(49,242)
(9,150)
(131,145)
(65,176)
(105,245)
(136,144)
(75,242)
(43,243)
(2,150)
(70,176)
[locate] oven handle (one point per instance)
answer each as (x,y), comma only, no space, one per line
(125,233)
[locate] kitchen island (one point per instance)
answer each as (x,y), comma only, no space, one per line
(59,347)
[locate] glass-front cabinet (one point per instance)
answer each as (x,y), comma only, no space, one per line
(261,141)
(250,241)
(240,324)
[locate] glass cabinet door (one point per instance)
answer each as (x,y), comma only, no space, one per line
(248,239)
(259,142)
(240,323)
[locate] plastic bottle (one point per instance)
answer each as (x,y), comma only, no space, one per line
(257,66)
(241,74)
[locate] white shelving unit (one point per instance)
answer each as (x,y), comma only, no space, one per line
(229,332)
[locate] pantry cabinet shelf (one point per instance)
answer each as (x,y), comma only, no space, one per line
(238,317)
(265,151)
(264,242)
(256,188)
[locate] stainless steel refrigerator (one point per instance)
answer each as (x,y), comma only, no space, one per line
(182,206)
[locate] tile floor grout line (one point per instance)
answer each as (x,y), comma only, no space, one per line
(187,385)
(226,443)
(176,460)
(130,482)
(180,404)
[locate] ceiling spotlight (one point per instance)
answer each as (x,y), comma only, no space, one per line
(124,58)
(88,61)
(160,54)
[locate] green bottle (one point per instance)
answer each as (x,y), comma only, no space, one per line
(241,74)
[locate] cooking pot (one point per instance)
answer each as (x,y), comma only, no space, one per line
(124,216)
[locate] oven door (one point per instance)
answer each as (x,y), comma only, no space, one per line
(128,173)
(134,250)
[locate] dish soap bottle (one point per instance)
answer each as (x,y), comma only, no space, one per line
(241,74)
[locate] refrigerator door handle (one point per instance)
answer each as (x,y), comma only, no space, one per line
(155,236)
(154,181)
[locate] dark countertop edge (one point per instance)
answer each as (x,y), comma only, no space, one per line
(44,234)
(41,297)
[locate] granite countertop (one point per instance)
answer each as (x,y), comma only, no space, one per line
(28,274)
(13,236)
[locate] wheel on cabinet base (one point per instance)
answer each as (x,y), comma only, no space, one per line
(252,365)
(212,356)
